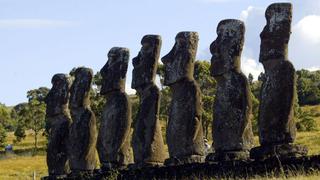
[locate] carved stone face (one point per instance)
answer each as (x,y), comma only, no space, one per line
(58,95)
(145,64)
(226,49)
(276,34)
(79,93)
(114,71)
(179,62)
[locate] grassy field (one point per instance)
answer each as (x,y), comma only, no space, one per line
(22,167)
(25,166)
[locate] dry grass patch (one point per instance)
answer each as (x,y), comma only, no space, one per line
(22,167)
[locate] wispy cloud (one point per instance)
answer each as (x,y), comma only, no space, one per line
(313,68)
(251,11)
(34,23)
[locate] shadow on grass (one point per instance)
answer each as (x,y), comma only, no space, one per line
(23,152)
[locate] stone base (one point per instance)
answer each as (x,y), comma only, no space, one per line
(216,170)
(228,156)
(280,151)
(174,161)
(77,174)
(54,177)
(112,166)
(145,165)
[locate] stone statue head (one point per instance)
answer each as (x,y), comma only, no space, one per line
(226,49)
(179,62)
(58,96)
(145,64)
(276,34)
(114,71)
(79,93)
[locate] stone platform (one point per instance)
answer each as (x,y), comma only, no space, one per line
(231,169)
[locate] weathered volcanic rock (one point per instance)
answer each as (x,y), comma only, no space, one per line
(113,140)
(57,125)
(146,63)
(277,128)
(232,129)
(83,133)
(115,70)
(184,131)
(147,142)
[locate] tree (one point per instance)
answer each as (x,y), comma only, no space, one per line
(5,118)
(31,115)
(308,87)
(3,136)
(305,120)
(255,113)
(35,118)
(20,133)
(255,87)
(134,100)
(17,114)
(38,94)
(36,111)
(208,89)
(165,95)
(160,73)
(250,78)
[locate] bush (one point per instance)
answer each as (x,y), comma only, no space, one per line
(308,87)
(19,133)
(3,135)
(305,121)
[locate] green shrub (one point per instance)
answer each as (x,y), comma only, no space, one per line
(3,135)
(19,133)
(305,121)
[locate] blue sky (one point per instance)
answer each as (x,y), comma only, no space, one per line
(40,37)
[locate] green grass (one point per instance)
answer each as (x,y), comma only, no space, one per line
(315,110)
(24,165)
(28,142)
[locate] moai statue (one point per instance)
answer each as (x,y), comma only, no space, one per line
(232,129)
(113,140)
(147,142)
(184,132)
(277,129)
(83,133)
(57,125)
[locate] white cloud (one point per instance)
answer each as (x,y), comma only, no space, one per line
(309,28)
(304,43)
(245,13)
(254,20)
(249,65)
(251,12)
(313,69)
(129,90)
(33,23)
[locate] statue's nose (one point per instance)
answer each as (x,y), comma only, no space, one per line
(165,58)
